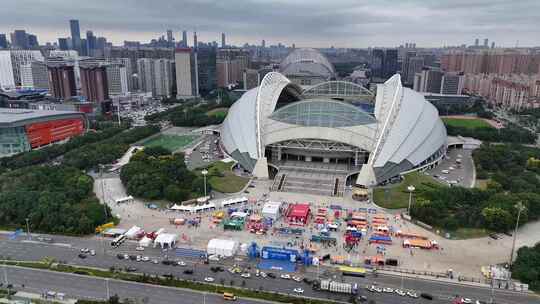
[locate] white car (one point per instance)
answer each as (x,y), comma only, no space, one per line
(297,279)
(209,279)
(466,301)
(181,263)
(145,259)
(263,274)
(126,257)
(155,262)
(92,252)
(139,248)
(285,276)
(388,290)
(245,275)
(298,290)
(412,294)
(85,250)
(400,292)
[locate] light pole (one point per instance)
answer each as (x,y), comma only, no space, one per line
(204,173)
(520,208)
(107,288)
(411,190)
(5,275)
(28,229)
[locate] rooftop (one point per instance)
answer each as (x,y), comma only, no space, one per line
(11,116)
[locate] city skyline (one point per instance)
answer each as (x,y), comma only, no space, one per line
(342,23)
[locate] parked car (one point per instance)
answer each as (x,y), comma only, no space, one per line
(285,276)
(188,271)
(271,275)
(120,256)
(426,296)
(298,290)
(82,255)
(131,269)
(209,279)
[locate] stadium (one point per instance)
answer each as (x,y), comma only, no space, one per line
(23,129)
(322,137)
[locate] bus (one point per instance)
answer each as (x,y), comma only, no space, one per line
(118,240)
(229,296)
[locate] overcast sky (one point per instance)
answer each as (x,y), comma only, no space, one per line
(308,23)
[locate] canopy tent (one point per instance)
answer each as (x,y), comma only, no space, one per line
(298,214)
(239,215)
(166,240)
(271,210)
(145,242)
(224,248)
(113,232)
(233,201)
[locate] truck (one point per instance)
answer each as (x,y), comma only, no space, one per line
(337,287)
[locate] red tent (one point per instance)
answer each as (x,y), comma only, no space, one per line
(298,214)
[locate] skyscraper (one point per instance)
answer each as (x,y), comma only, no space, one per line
(63,44)
(486,43)
(476,42)
(170,37)
(75,34)
(21,57)
(206,68)
(162,78)
(145,72)
(263,44)
(223,44)
(6,70)
(117,79)
(231,64)
(91,43)
(184,39)
(34,75)
(195,42)
(390,63)
(184,60)
(3,41)
(19,39)
(33,42)
(94,83)
(415,66)
(61,80)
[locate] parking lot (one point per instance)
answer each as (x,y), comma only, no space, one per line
(457,168)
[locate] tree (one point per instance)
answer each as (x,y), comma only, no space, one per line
(497,219)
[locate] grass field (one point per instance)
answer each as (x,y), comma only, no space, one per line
(170,142)
(222,179)
(397,196)
(467,123)
(218,112)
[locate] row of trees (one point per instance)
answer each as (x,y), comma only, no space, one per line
(55,199)
(154,173)
(492,208)
(193,113)
(108,150)
(526,268)
(511,134)
(49,153)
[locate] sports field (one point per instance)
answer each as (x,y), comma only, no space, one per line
(218,112)
(170,142)
(472,123)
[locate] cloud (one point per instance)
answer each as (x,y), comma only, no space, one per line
(319,23)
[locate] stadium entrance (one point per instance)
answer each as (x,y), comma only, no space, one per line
(313,165)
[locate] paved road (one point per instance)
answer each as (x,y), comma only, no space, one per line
(76,286)
(444,292)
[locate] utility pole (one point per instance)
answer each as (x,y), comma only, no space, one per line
(5,275)
(107,288)
(411,190)
(28,229)
(204,173)
(520,208)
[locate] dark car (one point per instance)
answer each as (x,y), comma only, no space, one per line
(494,236)
(166,262)
(120,256)
(82,255)
(307,281)
(133,257)
(131,269)
(426,296)
(362,298)
(271,275)
(188,271)
(220,269)
(214,269)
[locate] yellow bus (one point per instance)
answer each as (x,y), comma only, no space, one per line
(353,271)
(229,296)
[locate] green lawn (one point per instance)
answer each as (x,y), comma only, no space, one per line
(467,123)
(468,233)
(222,179)
(170,142)
(397,196)
(218,112)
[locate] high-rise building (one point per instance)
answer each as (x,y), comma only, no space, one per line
(117,79)
(252,79)
(83,48)
(170,38)
(145,73)
(491,62)
(376,64)
(33,42)
(384,63)
(452,83)
(91,43)
(184,39)
(61,80)
(415,66)
(223,43)
(63,44)
(486,43)
(34,75)
(186,83)
(492,44)
(21,57)
(428,81)
(163,77)
(75,34)
(7,80)
(19,39)
(476,42)
(70,57)
(195,42)
(3,41)
(206,68)
(130,71)
(263,43)
(94,83)
(231,64)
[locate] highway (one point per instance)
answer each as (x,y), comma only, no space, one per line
(444,292)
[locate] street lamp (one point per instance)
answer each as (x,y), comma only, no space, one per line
(520,208)
(411,189)
(28,229)
(204,173)
(107,288)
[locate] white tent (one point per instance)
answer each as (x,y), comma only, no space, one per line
(166,240)
(145,242)
(133,232)
(234,201)
(181,208)
(225,248)
(239,214)
(271,210)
